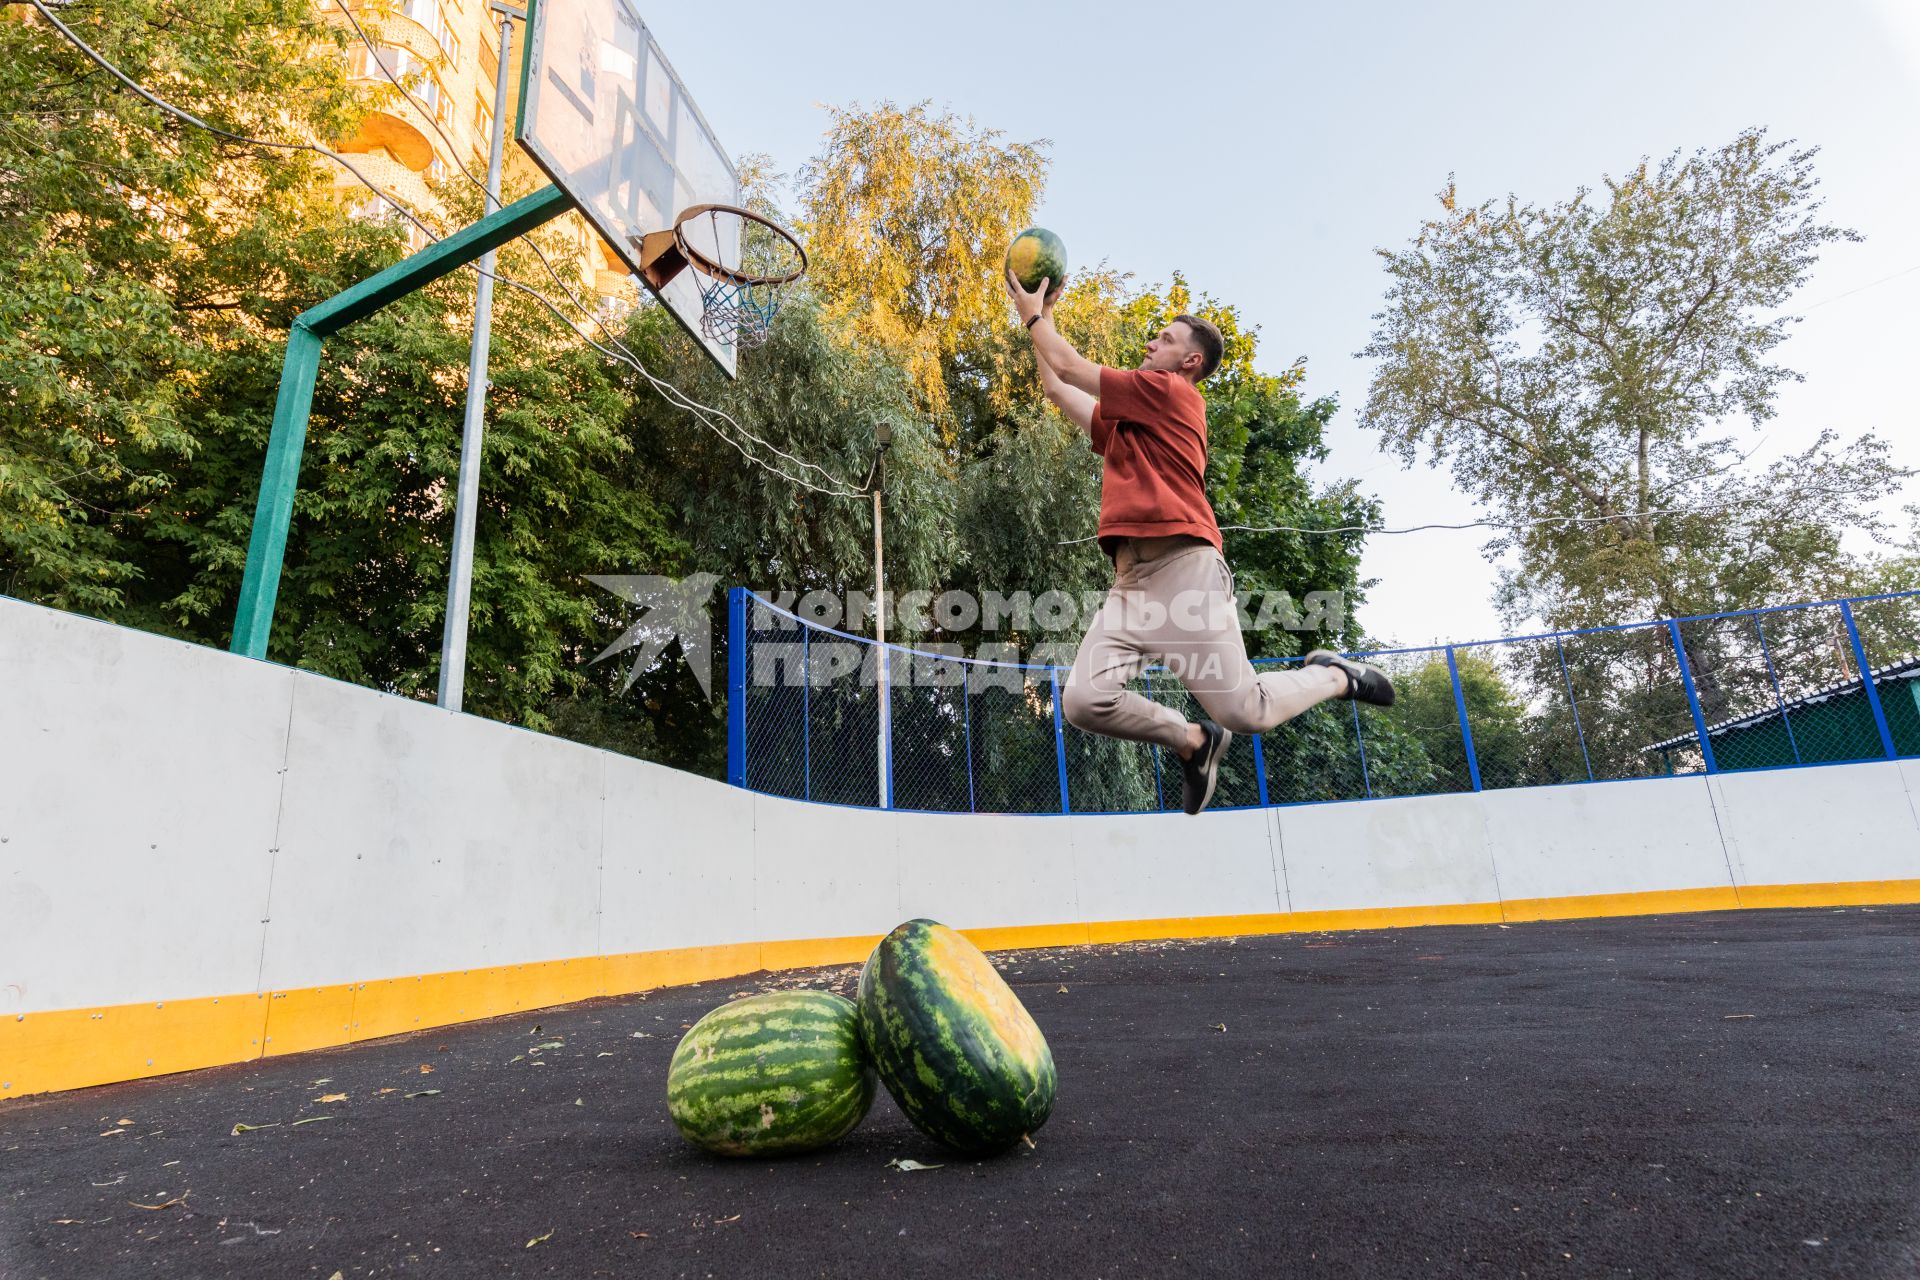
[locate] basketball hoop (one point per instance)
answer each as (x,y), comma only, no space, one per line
(744,259)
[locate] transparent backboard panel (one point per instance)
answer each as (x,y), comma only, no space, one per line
(604,115)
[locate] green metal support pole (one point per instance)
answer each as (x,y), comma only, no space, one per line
(279,479)
(273,511)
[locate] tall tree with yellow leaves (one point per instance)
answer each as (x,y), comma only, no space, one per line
(907,214)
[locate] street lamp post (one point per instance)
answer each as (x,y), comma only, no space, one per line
(882,440)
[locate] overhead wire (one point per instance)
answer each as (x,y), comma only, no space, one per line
(1372,530)
(702,413)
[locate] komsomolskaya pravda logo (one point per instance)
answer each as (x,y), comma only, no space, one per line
(670,609)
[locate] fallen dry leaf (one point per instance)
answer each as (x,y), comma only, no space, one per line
(1727,1017)
(164,1204)
(1063,991)
(331,1097)
(1028,1139)
(109,1133)
(309,1120)
(911,1166)
(1219,1026)
(640,1235)
(425,1093)
(383,1091)
(540,1239)
(123,1122)
(239,1129)
(426,1069)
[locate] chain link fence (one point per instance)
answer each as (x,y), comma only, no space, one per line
(822,715)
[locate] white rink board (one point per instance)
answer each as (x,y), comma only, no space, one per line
(1386,853)
(141,790)
(410,835)
(139,787)
(1857,825)
(1605,837)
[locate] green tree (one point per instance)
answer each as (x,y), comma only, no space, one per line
(1424,708)
(154,271)
(135,253)
(1571,364)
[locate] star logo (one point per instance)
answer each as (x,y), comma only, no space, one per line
(671,609)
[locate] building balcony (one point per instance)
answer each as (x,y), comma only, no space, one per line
(399,137)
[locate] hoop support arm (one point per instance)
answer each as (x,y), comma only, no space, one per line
(280,477)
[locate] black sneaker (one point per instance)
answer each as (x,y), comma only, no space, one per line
(1201,770)
(1364,683)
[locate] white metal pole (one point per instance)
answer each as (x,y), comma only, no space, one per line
(453,642)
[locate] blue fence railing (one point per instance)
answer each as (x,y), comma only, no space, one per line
(1754,689)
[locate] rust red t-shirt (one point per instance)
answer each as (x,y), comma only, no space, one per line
(1151,428)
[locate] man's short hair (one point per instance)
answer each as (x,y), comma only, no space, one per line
(1207,340)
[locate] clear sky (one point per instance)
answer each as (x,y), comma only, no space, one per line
(1268,149)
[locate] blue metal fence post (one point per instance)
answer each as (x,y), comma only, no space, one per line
(1693,696)
(1866,680)
(737,686)
(886,712)
(1260,768)
(1793,744)
(1460,710)
(1573,705)
(1366,778)
(806,711)
(966,718)
(1059,739)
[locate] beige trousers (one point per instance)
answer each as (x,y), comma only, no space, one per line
(1172,604)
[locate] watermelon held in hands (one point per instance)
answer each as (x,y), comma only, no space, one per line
(954,1046)
(1037,254)
(771,1075)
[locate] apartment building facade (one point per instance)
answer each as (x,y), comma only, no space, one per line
(414,144)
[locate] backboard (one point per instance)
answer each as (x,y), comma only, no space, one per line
(604,115)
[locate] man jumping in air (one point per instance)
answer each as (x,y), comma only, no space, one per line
(1172,600)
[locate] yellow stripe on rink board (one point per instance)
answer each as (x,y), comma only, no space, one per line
(1647,903)
(1858,893)
(75,1048)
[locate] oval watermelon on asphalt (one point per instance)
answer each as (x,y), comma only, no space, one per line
(771,1075)
(954,1046)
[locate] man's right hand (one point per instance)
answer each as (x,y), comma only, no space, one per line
(1029,303)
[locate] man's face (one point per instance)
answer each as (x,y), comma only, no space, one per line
(1168,350)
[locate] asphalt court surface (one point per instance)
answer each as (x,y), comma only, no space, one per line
(1730,1094)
